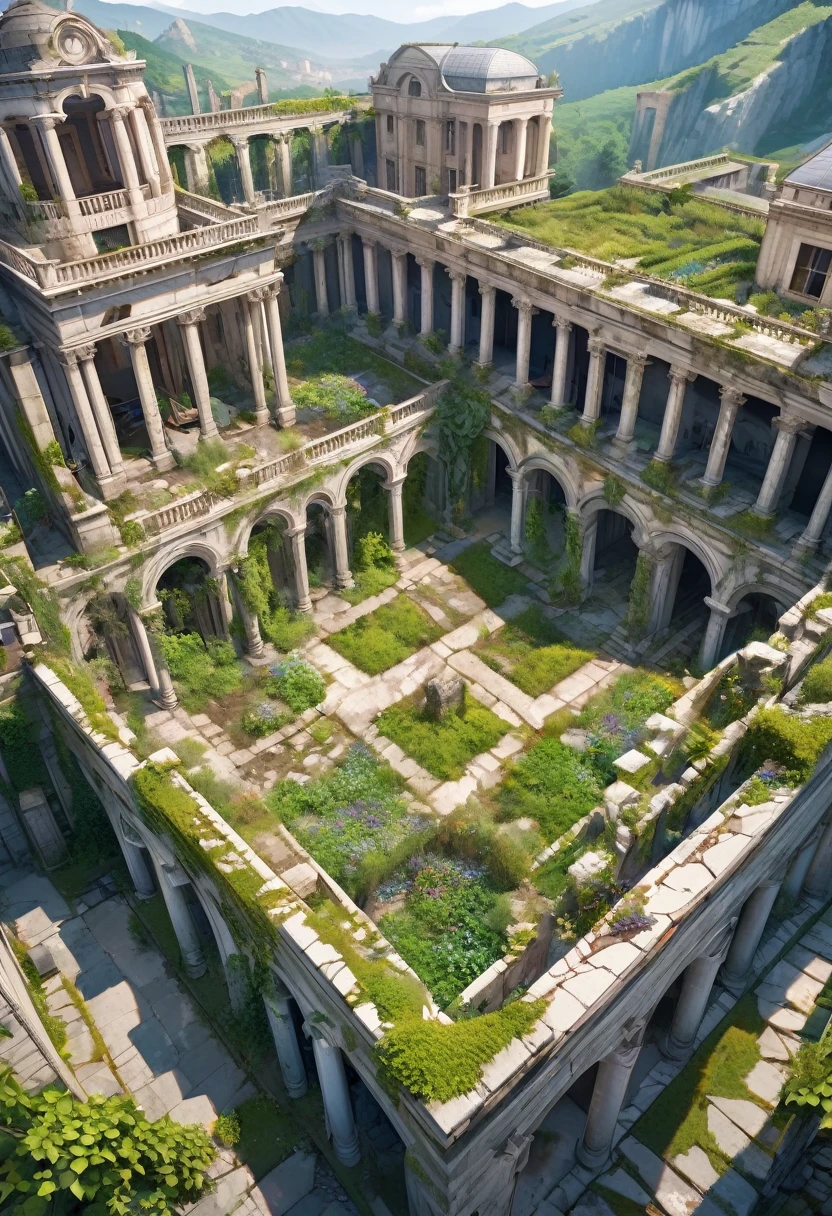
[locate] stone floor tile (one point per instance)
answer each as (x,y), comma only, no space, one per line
(735,1193)
(695,1165)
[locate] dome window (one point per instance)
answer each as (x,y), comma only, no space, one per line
(414,87)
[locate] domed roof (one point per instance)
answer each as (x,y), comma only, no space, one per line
(487,69)
(34,33)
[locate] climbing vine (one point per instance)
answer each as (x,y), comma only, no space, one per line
(638,607)
(614,490)
(567,584)
(462,414)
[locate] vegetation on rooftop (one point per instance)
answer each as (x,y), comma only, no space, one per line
(386,636)
(685,239)
(331,352)
(443,746)
(531,652)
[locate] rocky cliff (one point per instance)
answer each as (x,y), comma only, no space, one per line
(650,43)
(697,125)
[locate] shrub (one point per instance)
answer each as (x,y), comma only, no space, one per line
(443,747)
(337,396)
(782,738)
(817,683)
(263,720)
(372,550)
(203,670)
(660,476)
(729,701)
(227,1128)
(297,683)
(462,414)
(810,1084)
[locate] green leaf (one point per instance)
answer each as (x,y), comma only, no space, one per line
(79,1164)
(46,1188)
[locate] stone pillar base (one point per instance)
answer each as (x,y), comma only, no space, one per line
(286,416)
(163,462)
(111,485)
(591,1158)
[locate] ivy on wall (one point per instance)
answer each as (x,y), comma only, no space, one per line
(462,414)
(567,584)
(638,606)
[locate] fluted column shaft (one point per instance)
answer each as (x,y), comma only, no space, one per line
(525,312)
(286,1043)
(124,149)
(519,490)
(396,514)
(86,419)
(336,1096)
(608,1095)
(189,324)
(345,244)
(341,550)
(560,365)
(630,399)
(321,295)
(594,381)
(370,276)
(136,343)
(747,935)
(457,312)
(297,537)
(399,261)
(730,401)
(490,154)
(778,466)
(521,126)
(255,364)
(283,398)
(101,409)
(243,153)
(679,380)
(487,311)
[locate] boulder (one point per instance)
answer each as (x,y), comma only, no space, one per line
(756,661)
(442,694)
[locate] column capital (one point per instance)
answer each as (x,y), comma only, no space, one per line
(789,424)
(394,483)
(239,141)
(48,121)
(638,360)
(524,306)
(731,397)
(117,113)
(681,375)
(191,318)
(346,234)
(426,263)
(561,323)
(68,358)
(136,337)
(86,353)
(257,295)
(716,606)
(297,530)
(486,289)
(336,512)
(456,276)
(596,346)
(368,242)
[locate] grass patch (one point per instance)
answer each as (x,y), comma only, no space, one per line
(678,1119)
(820,601)
(490,579)
(675,240)
(551,784)
(615,718)
(752,525)
(443,747)
(532,653)
(371,581)
(780,738)
(334,352)
(268,1135)
(386,636)
(54,1026)
(817,684)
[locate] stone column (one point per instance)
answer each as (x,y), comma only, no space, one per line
(341,550)
(336,1096)
(139,632)
(285,1040)
(489,153)
(255,364)
(731,399)
(778,465)
(167,693)
(810,537)
(189,323)
(190,946)
(691,1005)
(519,491)
(630,399)
(124,149)
(714,633)
(11,172)
(297,537)
(86,421)
(521,126)
(799,868)
(133,855)
(589,542)
(666,567)
(57,165)
(396,515)
(285,145)
(594,381)
(747,936)
(487,310)
(136,342)
(611,1083)
(680,377)
(319,263)
(457,341)
(147,151)
(251,625)
(426,317)
(345,244)
(370,276)
(544,129)
(101,409)
(284,405)
(525,312)
(243,155)
(399,261)
(819,878)
(197,175)
(560,364)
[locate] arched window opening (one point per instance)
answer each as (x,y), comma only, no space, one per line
(88,147)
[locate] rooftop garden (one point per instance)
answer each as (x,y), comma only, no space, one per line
(531,652)
(679,237)
(336,379)
(386,636)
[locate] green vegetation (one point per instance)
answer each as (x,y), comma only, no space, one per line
(164,73)
(810,1084)
(337,397)
(267,1135)
(54,1026)
(442,746)
(531,652)
(593,140)
(672,239)
(729,701)
(386,636)
(18,744)
(332,352)
(353,820)
(374,568)
(551,784)
(439,1062)
(492,580)
(820,601)
(462,414)
(65,1150)
(227,1128)
(816,688)
(781,738)
(297,683)
(201,671)
(419,524)
(678,1119)
(615,717)
(662,477)
(278,625)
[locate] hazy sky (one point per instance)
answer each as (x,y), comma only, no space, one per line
(393,10)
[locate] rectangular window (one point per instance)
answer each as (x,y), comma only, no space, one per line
(391,176)
(451,181)
(505,137)
(420,184)
(450,137)
(389,124)
(420,133)
(811,271)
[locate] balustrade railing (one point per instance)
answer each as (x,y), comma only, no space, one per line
(194,124)
(205,208)
(466,202)
(657,175)
(202,502)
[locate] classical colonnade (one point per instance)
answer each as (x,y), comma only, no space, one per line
(788,425)
(264,347)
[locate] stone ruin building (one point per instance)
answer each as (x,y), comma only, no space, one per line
(675,453)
